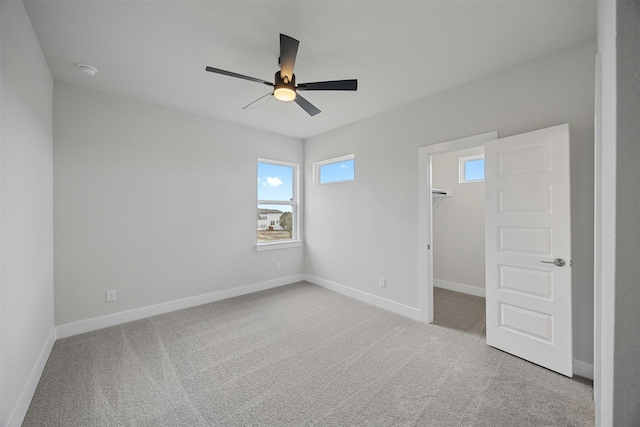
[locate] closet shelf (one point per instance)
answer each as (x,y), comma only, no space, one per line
(436,192)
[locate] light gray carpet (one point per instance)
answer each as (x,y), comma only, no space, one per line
(296,355)
(459,311)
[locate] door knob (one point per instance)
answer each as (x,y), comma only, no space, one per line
(558,262)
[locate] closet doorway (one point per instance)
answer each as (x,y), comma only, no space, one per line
(458,200)
(527,242)
(427,202)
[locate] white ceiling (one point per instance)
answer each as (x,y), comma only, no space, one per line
(400,51)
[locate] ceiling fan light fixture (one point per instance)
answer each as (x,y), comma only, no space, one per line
(284,88)
(284,94)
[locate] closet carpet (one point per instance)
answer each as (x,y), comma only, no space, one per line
(459,311)
(296,355)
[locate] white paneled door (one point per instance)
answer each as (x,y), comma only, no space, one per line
(528,247)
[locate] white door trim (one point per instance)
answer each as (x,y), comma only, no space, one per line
(425,220)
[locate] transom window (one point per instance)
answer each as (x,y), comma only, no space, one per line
(471,168)
(339,169)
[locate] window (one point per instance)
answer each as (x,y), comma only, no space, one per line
(277,218)
(471,169)
(340,169)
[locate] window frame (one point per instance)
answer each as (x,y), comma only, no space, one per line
(462,178)
(296,235)
(319,164)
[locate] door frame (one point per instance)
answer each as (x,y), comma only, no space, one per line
(425,213)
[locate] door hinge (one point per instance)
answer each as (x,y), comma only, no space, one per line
(428,246)
(570,263)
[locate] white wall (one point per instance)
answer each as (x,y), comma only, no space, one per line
(458,226)
(617,373)
(626,398)
(26,165)
(155,203)
(358,232)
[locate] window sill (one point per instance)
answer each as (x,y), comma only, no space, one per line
(278,245)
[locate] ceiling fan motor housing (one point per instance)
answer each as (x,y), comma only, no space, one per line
(284,90)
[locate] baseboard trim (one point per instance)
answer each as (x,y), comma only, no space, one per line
(88,325)
(392,306)
(583,369)
(20,410)
(459,287)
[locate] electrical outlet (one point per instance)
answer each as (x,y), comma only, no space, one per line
(277,266)
(383,282)
(111,295)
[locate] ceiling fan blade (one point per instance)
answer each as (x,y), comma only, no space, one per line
(239,76)
(332,85)
(288,52)
(306,105)
(254,103)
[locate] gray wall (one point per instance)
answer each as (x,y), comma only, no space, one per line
(626,399)
(374,231)
(26,162)
(458,224)
(155,203)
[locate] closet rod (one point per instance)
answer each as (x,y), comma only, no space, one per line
(440,192)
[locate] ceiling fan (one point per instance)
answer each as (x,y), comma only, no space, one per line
(284,86)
